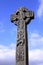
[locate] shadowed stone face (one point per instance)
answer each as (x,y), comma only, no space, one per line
(21,18)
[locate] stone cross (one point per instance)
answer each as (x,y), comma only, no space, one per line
(21,18)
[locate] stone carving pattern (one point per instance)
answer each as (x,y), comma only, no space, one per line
(20,52)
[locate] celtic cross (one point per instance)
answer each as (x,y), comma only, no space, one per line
(21,18)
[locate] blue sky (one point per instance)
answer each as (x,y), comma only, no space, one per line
(8,31)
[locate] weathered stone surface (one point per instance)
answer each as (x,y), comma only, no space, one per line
(21,18)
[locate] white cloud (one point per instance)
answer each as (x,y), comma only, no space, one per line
(36,54)
(36,39)
(13,46)
(40,9)
(36,57)
(7,55)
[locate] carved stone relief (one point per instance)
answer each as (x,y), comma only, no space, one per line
(20,52)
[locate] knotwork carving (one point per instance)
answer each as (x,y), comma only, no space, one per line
(20,51)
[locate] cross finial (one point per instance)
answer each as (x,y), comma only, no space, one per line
(22,14)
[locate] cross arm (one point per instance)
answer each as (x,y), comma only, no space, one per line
(29,16)
(14,19)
